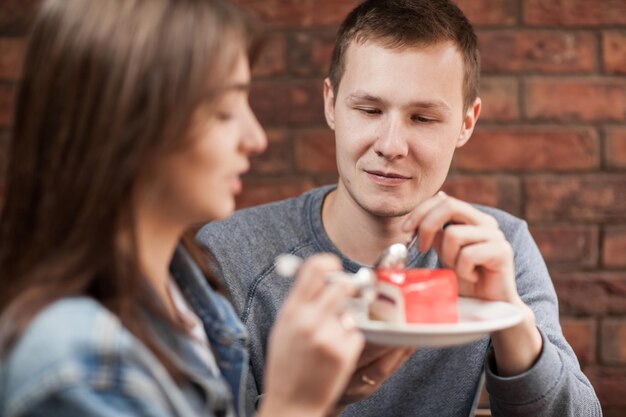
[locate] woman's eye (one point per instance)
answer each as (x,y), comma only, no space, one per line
(223,116)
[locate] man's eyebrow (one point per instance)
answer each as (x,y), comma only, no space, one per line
(422,104)
(360,96)
(435,104)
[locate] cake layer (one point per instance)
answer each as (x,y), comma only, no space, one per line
(416,296)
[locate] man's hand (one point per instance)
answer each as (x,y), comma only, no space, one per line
(471,243)
(375,365)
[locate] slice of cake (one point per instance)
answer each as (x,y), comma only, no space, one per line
(416,296)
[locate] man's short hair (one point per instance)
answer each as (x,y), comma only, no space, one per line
(409,23)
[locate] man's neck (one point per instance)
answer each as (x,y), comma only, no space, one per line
(359,235)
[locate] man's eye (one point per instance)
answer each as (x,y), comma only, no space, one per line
(422,119)
(369,111)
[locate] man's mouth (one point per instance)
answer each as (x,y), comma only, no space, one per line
(388,179)
(392,175)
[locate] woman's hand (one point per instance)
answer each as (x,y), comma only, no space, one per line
(314,346)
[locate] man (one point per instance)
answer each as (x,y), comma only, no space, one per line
(401,97)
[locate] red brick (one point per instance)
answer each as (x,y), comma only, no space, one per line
(591,293)
(315,151)
(321,180)
(500,98)
(545,51)
(613,412)
(615,146)
(11,57)
(610,385)
(277,157)
(614,247)
(496,191)
(7,100)
(272,60)
(574,12)
(3,163)
(569,245)
(614,51)
(489,12)
(586,198)
(256,193)
(4,143)
(311,53)
(530,149)
(572,99)
(581,335)
(291,103)
(16,16)
(613,341)
(301,13)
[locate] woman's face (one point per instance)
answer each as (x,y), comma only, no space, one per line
(199,182)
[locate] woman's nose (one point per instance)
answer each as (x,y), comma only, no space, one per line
(254,138)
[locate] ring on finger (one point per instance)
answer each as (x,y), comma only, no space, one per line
(367,380)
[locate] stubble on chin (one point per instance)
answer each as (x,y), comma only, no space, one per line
(384,212)
(377,203)
(378,207)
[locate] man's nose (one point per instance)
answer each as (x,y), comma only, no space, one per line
(392,140)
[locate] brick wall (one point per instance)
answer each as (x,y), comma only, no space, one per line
(550,145)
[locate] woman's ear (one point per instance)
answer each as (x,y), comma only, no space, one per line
(329,104)
(469,122)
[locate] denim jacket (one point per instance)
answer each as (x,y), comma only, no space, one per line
(76,359)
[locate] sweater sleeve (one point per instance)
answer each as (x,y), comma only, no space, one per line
(555,384)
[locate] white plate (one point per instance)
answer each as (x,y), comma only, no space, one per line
(477,318)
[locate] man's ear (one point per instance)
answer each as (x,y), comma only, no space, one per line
(329,104)
(469,122)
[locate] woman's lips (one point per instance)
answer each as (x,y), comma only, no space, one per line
(236,182)
(387,178)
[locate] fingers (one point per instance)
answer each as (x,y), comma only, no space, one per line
(435,213)
(332,300)
(371,353)
(450,243)
(310,282)
(486,254)
(386,365)
(319,305)
(312,328)
(468,241)
(367,379)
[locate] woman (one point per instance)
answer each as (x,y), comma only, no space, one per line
(132,125)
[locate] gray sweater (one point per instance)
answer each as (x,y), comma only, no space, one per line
(433,382)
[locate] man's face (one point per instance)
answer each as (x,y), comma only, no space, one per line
(398,117)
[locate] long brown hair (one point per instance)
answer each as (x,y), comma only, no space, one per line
(108,87)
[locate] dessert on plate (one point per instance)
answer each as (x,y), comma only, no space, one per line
(415,296)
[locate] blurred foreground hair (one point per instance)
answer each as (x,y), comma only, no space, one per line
(108,88)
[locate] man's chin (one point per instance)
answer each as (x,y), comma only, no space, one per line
(386,210)
(378,205)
